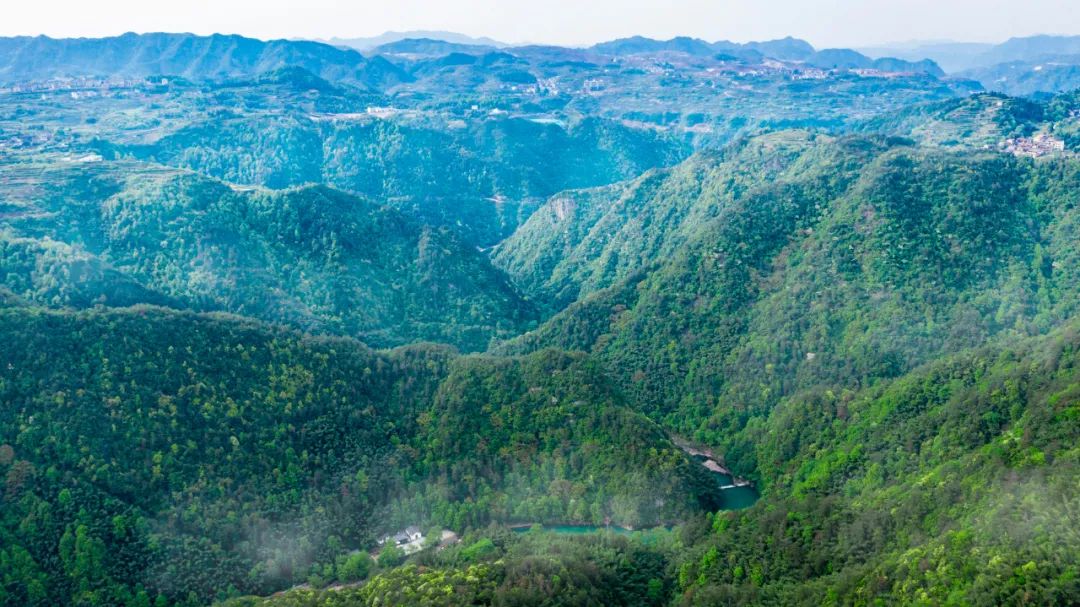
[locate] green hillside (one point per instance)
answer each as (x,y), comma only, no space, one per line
(483,174)
(886,257)
(312,257)
(183,455)
(151,452)
(546,429)
(856,324)
(991,121)
(953,484)
(583,241)
(665,323)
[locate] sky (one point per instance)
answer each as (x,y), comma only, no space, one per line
(825,23)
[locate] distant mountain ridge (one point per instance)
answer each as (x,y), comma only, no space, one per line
(1037,78)
(1026,66)
(849,59)
(429,47)
(363,44)
(785,49)
(951,56)
(960,56)
(191,56)
(220,56)
(1031,48)
(788,49)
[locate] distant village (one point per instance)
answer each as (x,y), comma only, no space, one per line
(81,87)
(1034,147)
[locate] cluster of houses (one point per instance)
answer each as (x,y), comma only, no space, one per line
(79,87)
(17,141)
(1034,147)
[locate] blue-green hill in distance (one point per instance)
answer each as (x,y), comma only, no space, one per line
(187,55)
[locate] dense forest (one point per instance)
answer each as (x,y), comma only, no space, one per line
(451,325)
(312,257)
(954,484)
(444,172)
(857,260)
(203,455)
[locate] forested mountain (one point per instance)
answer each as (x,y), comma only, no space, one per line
(583,241)
(312,257)
(815,278)
(954,483)
(183,454)
(709,96)
(165,453)
(742,324)
(484,174)
(187,55)
(787,49)
(990,121)
(864,259)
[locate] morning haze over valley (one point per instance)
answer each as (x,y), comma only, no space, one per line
(626,303)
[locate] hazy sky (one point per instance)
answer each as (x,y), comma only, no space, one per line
(822,22)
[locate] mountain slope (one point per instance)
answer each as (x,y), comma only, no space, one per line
(550,439)
(990,121)
(156,453)
(484,175)
(311,257)
(888,257)
(583,241)
(954,483)
(183,454)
